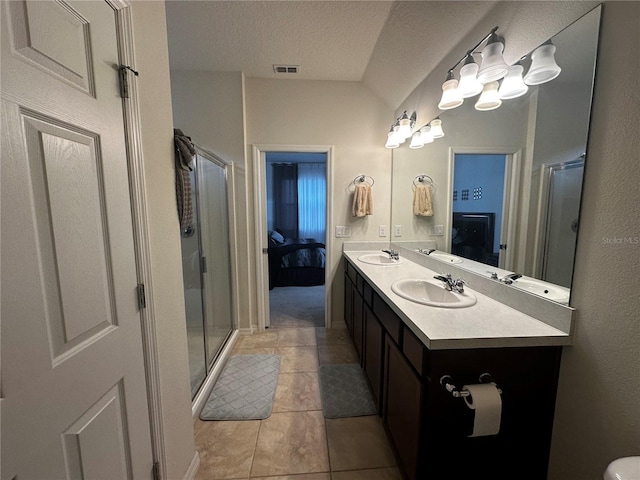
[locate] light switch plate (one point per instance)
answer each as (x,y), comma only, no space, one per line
(436,230)
(342,231)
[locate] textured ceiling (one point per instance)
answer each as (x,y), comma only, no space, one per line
(389,45)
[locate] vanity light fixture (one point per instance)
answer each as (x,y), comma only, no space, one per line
(489,99)
(512,85)
(392,141)
(451,97)
(543,65)
(493,66)
(469,86)
(436,128)
(405,126)
(416,140)
(426,135)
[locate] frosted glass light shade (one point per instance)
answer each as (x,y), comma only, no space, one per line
(543,65)
(425,135)
(405,128)
(469,86)
(391,140)
(416,140)
(451,98)
(489,99)
(436,128)
(512,85)
(493,66)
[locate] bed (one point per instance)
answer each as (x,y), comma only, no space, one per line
(298,262)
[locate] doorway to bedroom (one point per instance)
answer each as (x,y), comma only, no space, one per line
(296,208)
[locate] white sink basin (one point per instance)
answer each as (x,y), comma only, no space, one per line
(543,289)
(446,257)
(379,259)
(432,293)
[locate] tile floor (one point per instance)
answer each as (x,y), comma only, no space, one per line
(296,442)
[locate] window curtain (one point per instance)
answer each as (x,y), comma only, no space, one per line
(312,201)
(285,199)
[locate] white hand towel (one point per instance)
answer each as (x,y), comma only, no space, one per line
(362,201)
(422,205)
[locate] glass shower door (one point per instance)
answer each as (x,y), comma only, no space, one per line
(206,263)
(216,264)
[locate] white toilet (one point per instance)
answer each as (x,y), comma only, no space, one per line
(626,468)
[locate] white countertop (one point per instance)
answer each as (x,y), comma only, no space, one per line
(487,324)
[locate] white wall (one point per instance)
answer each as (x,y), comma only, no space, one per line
(345,115)
(209,107)
(152,62)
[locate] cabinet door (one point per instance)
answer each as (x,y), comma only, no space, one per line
(348,303)
(373,354)
(402,408)
(358,321)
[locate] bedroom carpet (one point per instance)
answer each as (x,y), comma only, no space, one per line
(297,306)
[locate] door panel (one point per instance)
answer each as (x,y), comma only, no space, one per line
(73,380)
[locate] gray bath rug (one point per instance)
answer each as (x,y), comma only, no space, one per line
(344,391)
(245,389)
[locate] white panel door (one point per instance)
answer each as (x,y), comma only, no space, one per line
(74,401)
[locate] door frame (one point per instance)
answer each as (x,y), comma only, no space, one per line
(260,206)
(137,184)
(513,166)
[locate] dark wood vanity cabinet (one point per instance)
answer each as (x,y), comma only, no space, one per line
(428,427)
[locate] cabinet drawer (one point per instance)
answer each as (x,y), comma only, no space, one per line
(360,283)
(415,351)
(351,271)
(368,294)
(389,320)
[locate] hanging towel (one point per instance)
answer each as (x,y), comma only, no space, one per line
(185,151)
(362,201)
(422,205)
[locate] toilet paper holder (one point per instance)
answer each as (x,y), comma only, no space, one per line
(447,382)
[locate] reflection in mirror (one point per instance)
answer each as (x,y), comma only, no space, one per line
(507,182)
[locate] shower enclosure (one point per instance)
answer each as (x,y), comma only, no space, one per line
(207,266)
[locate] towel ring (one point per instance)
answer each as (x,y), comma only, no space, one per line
(421,179)
(363,179)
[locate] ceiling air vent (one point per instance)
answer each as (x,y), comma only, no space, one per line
(286,68)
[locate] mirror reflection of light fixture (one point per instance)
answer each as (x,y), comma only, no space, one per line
(512,85)
(426,135)
(436,128)
(416,140)
(489,99)
(493,66)
(451,98)
(405,126)
(469,86)
(543,65)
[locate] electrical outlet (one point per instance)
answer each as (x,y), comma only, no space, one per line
(382,231)
(343,231)
(397,230)
(436,230)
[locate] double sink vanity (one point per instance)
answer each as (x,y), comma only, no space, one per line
(420,345)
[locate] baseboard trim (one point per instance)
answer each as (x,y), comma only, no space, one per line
(193,467)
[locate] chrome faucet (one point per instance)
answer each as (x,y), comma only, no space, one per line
(393,254)
(426,251)
(451,284)
(508,279)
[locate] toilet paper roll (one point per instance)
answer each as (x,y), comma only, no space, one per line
(486,401)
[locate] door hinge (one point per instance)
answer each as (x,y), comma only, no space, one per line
(265,250)
(503,246)
(156,471)
(204,264)
(142,299)
(124,80)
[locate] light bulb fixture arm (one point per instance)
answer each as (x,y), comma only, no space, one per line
(472,50)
